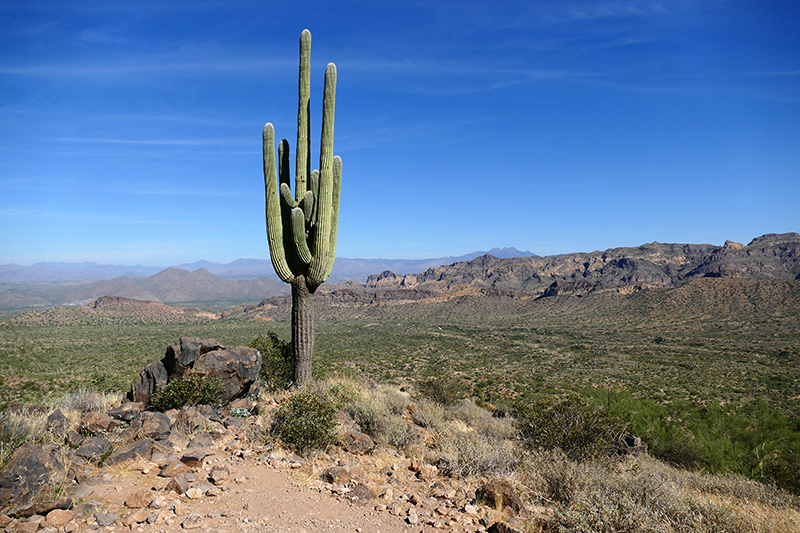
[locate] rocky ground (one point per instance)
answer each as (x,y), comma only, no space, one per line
(213,472)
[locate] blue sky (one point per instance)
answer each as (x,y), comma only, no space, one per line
(130,133)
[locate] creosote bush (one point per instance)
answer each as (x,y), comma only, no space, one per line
(191,390)
(568,423)
(277,361)
(306,421)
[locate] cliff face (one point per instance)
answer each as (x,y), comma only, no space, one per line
(773,256)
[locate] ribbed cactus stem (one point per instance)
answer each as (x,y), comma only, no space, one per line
(303,156)
(301,227)
(337,193)
(273,208)
(299,236)
(320,245)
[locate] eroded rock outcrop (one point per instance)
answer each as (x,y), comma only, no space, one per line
(236,369)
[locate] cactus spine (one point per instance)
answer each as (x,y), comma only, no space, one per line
(301,228)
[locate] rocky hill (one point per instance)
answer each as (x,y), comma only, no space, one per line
(773,256)
(497,281)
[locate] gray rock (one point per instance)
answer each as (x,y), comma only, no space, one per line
(105,519)
(127,411)
(139,449)
(57,423)
(93,449)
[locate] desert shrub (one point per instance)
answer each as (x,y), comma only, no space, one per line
(463,452)
(643,495)
(17,429)
(307,421)
(191,390)
(277,361)
(377,410)
(568,423)
(84,401)
(483,421)
(429,414)
(442,388)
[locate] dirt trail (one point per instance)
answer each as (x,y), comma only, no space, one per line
(259,495)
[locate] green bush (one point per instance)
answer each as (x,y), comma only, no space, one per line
(442,388)
(307,421)
(192,390)
(277,361)
(568,423)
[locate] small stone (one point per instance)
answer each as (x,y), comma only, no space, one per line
(174,468)
(194,458)
(178,484)
(139,499)
(136,517)
(181,509)
(219,474)
(413,519)
(4,520)
(193,521)
(471,509)
(105,519)
(194,493)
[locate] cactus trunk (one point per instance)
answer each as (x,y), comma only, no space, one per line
(301,229)
(302,330)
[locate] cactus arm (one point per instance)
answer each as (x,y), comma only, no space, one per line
(313,186)
(273,208)
(337,193)
(286,195)
(303,159)
(308,207)
(299,236)
(320,245)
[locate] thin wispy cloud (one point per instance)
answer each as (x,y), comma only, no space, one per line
(157,142)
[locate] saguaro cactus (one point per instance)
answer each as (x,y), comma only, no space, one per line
(301,229)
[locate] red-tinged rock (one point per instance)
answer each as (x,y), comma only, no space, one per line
(139,499)
(58,517)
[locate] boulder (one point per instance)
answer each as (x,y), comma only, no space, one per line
(182,355)
(151,380)
(29,470)
(236,369)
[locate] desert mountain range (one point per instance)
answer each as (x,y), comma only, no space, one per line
(772,256)
(344,270)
